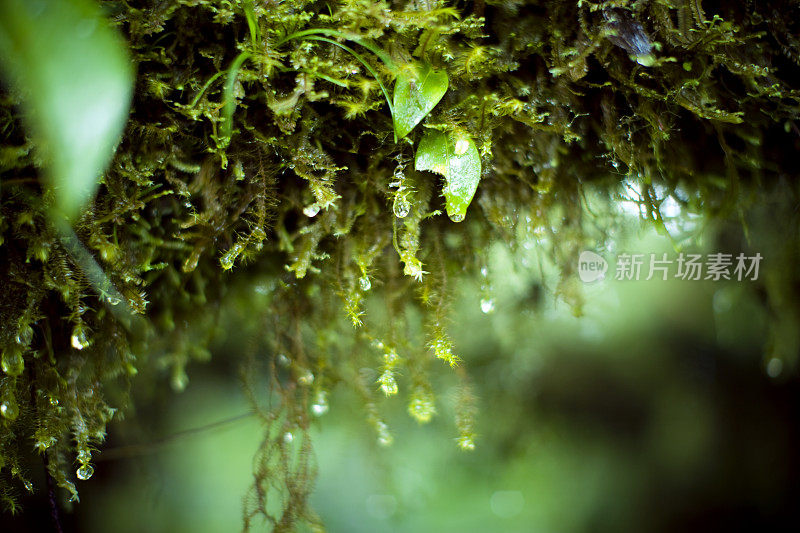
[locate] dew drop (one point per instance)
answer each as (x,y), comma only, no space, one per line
(422,409)
(28,485)
(78,339)
(384,437)
(113,300)
(282,360)
(465,442)
(487,305)
(311,210)
(457,217)
(13,364)
(388,383)
(288,438)
(320,405)
(774,367)
(25,336)
(179,380)
(44,444)
(84,456)
(9,409)
(364,283)
(85,472)
(227,259)
(462,145)
(401,207)
(306,378)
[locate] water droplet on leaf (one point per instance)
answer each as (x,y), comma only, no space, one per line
(487,305)
(457,217)
(288,438)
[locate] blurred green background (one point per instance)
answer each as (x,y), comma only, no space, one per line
(655,411)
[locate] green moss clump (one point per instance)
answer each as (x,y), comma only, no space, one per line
(254,161)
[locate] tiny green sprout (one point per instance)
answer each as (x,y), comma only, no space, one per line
(416,92)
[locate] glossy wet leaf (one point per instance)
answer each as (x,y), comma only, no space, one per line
(75,79)
(454,156)
(416,92)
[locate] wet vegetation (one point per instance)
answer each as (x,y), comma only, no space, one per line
(333,167)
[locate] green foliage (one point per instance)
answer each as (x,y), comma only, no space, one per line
(75,80)
(258,170)
(416,92)
(454,156)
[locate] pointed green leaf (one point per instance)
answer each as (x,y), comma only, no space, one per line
(75,79)
(454,156)
(417,90)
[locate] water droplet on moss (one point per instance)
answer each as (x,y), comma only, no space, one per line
(84,456)
(78,339)
(85,472)
(13,364)
(388,383)
(320,405)
(364,283)
(9,409)
(226,261)
(456,217)
(401,207)
(306,378)
(384,437)
(25,336)
(422,409)
(465,442)
(487,305)
(311,210)
(179,380)
(288,438)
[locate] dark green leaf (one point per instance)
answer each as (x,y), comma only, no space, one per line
(417,90)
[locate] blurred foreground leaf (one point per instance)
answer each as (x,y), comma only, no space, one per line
(75,80)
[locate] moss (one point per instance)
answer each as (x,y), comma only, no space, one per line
(255,160)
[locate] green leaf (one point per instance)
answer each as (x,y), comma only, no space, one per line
(417,90)
(454,156)
(75,79)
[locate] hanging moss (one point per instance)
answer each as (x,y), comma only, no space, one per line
(264,150)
